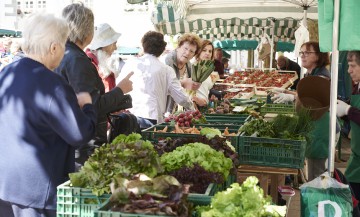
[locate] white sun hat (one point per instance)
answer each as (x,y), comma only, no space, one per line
(104,35)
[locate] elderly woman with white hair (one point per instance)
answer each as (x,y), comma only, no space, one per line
(42,121)
(82,75)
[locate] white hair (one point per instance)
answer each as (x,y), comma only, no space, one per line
(40,31)
(108,64)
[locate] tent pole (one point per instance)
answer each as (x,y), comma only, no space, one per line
(304,22)
(333,91)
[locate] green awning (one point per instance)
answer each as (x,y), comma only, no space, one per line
(128,50)
(229,45)
(8,32)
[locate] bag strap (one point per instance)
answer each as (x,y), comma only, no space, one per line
(109,120)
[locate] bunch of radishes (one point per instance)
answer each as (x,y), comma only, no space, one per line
(186,119)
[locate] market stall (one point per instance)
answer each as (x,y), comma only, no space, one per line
(230,126)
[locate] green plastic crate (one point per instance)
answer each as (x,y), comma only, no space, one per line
(236,119)
(77,202)
(277,109)
(196,199)
(271,152)
(150,134)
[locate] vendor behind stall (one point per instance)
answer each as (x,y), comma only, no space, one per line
(317,149)
(286,64)
(352,112)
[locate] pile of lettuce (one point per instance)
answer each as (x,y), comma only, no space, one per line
(124,157)
(245,200)
(197,164)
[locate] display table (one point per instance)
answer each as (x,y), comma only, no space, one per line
(276,175)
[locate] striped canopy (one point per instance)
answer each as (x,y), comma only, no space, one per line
(233,19)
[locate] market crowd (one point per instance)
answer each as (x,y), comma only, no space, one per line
(58,87)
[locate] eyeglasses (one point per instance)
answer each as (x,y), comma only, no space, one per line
(187,49)
(306,53)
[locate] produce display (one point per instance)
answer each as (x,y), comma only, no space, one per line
(216,142)
(242,200)
(186,119)
(294,127)
(209,164)
(161,195)
(125,157)
(192,130)
(243,83)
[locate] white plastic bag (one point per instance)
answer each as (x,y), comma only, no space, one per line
(325,197)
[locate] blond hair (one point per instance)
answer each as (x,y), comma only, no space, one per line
(80,20)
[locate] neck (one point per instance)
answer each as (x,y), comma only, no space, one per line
(311,69)
(41,60)
(180,65)
(80,45)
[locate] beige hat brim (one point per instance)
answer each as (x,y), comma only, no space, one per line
(96,44)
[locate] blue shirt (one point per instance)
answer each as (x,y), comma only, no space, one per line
(40,125)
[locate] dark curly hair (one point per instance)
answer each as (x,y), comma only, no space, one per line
(153,43)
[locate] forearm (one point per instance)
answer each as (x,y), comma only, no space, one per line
(111,101)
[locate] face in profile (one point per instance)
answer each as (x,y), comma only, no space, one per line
(309,57)
(281,63)
(218,55)
(354,70)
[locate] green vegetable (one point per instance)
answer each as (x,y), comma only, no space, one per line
(210,132)
(245,200)
(261,127)
(197,153)
(202,70)
(124,157)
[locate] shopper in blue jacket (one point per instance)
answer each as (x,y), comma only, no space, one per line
(40,116)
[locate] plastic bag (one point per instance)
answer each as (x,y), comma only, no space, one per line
(324,196)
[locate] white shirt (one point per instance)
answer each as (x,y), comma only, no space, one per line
(152,82)
(204,89)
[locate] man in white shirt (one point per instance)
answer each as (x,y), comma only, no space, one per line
(152,82)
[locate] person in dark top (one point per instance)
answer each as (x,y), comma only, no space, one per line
(352,112)
(317,150)
(225,61)
(219,66)
(286,64)
(42,121)
(82,75)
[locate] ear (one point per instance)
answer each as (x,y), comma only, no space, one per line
(53,48)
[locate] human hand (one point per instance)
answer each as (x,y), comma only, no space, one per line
(342,108)
(199,101)
(277,90)
(189,84)
(283,98)
(125,84)
(83,98)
